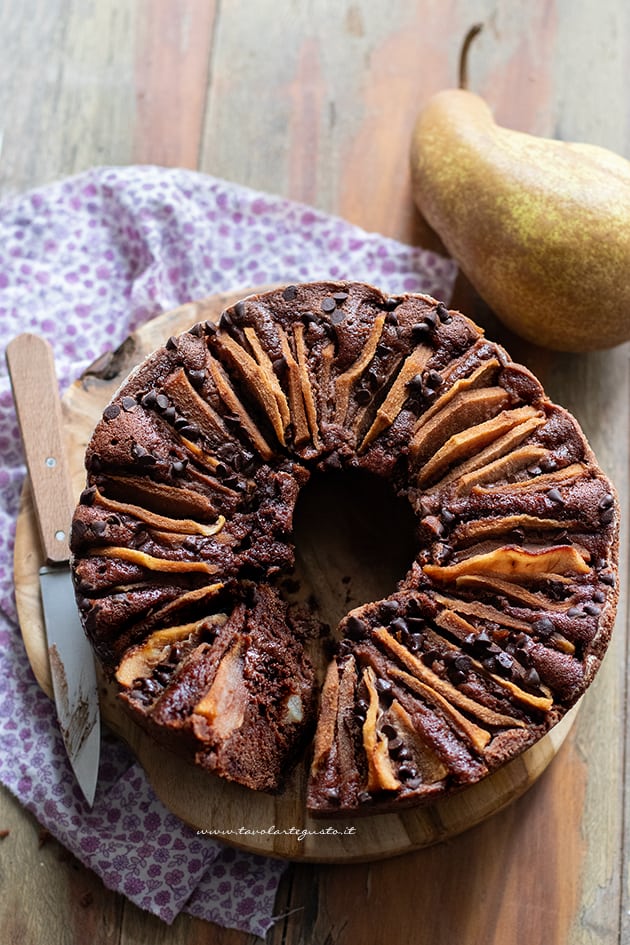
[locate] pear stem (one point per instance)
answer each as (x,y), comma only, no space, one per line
(463,55)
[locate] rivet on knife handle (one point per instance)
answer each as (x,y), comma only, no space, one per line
(34,382)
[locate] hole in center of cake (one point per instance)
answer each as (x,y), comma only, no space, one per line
(354,541)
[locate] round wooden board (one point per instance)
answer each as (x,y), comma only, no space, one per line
(270,825)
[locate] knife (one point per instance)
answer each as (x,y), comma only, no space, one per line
(32,370)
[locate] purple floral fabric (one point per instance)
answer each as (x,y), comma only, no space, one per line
(83,262)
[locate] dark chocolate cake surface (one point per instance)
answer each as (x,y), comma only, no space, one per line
(184,533)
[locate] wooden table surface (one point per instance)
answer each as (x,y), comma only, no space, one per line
(315,100)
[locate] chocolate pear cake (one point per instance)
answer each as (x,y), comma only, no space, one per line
(184,532)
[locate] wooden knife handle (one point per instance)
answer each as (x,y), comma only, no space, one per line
(36,393)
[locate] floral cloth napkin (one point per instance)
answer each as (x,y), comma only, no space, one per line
(83,262)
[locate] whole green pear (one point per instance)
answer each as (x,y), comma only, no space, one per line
(541,228)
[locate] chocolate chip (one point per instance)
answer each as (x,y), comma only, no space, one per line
(415,383)
(210,327)
(518,535)
(504,662)
(360,710)
(574,612)
(443,313)
(447,517)
(111,412)
(443,552)
(178,467)
(99,528)
(431,319)
(457,677)
(490,664)
(416,623)
(391,303)
(405,772)
(592,610)
(532,679)
(548,464)
(390,608)
(196,330)
(607,578)
(340,297)
(171,344)
(430,657)
(395,745)
(543,627)
(523,656)
(162,401)
(170,414)
(190,430)
(88,495)
(607,516)
(534,470)
(606,501)
(225,321)
(399,625)
(374,379)
(149,399)
(175,653)
(289,293)
(433,380)
(356,629)
(279,364)
(383,350)
(383,685)
(162,675)
(363,396)
(337,317)
(129,403)
(328,304)
(555,496)
(420,332)
(414,607)
(483,639)
(197,377)
(599,597)
(138,451)
(239,309)
(364,798)
(389,731)
(391,319)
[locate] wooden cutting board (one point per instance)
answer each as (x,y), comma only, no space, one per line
(342,562)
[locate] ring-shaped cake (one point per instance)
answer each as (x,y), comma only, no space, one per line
(184,532)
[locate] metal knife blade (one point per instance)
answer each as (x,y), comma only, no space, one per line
(32,371)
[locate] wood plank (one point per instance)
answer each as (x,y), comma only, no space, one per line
(46,894)
(66,88)
(173,56)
